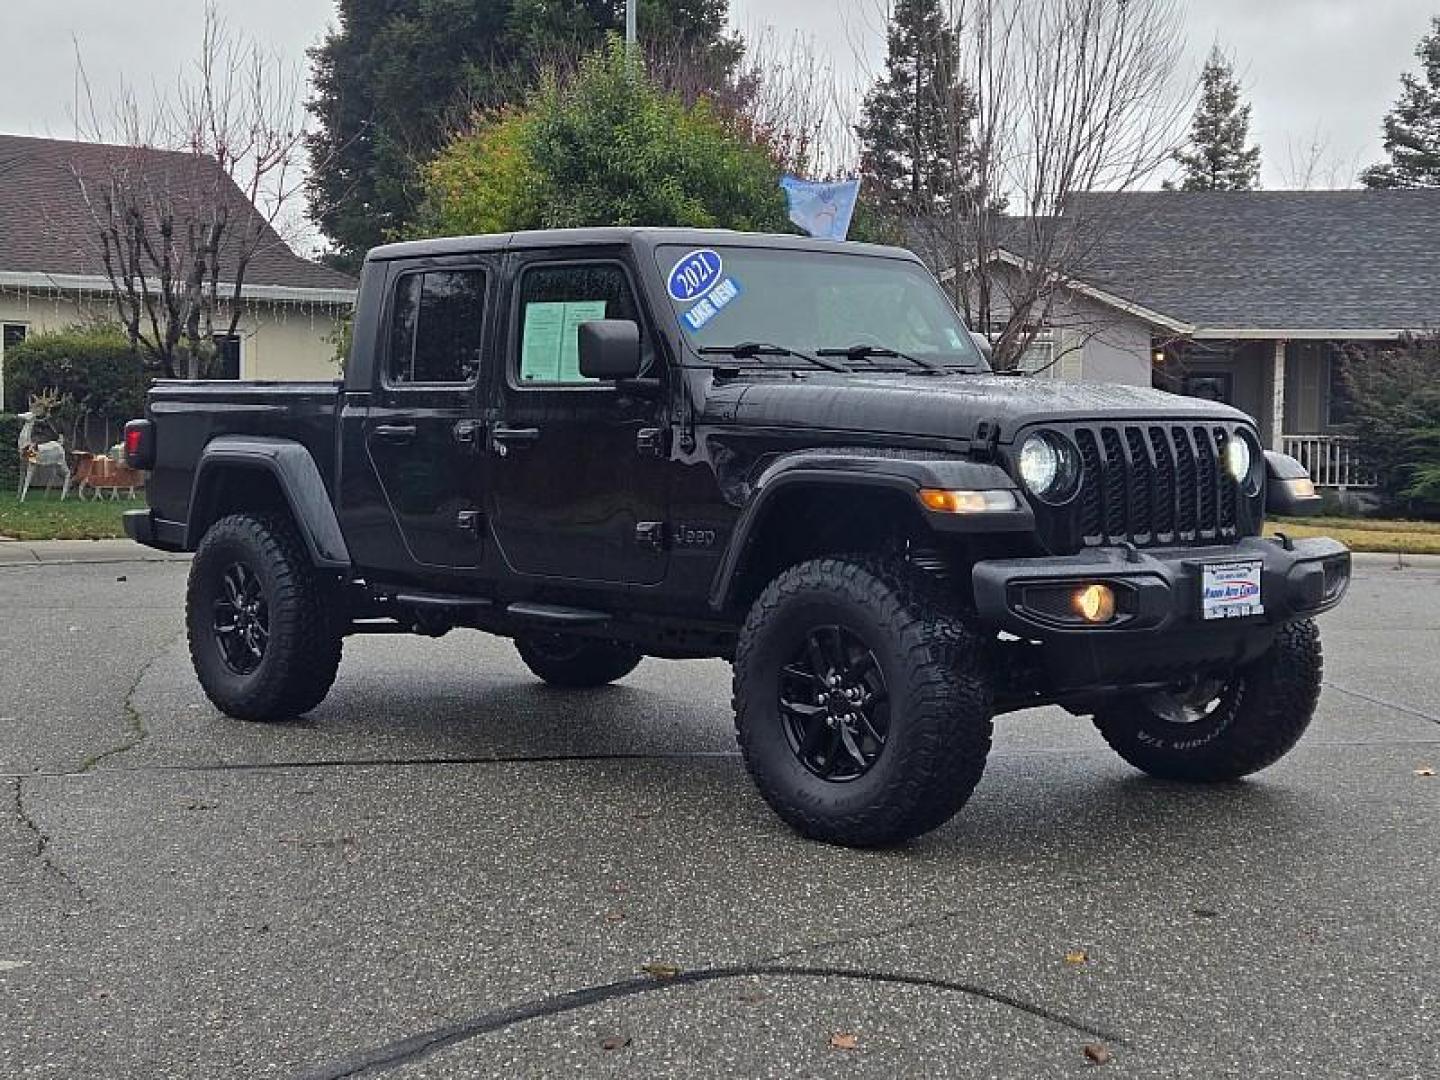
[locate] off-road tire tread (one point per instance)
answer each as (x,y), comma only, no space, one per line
(597,664)
(304,650)
(1270,714)
(950,721)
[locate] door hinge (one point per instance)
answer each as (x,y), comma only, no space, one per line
(470,521)
(652,442)
(651,533)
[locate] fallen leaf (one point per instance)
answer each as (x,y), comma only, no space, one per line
(1206,913)
(1425,770)
(1097,1054)
(660,971)
(615,1042)
(751,997)
(843,1040)
(615,916)
(1076,956)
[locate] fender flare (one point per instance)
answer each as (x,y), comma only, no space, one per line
(294,469)
(894,471)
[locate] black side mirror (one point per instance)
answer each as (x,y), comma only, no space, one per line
(609,349)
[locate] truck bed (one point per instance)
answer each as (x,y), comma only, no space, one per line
(189,415)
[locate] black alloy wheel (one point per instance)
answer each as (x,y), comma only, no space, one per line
(834,705)
(241,619)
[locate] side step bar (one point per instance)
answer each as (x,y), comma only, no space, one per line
(556,615)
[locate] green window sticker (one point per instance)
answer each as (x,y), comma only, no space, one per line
(550,343)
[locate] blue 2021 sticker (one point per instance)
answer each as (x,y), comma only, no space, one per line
(695,275)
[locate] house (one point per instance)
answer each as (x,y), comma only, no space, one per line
(52,273)
(1246,297)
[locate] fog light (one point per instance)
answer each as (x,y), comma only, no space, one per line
(1094,603)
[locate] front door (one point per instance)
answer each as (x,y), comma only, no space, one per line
(422,434)
(575,494)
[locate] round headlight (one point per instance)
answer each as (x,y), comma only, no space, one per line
(1039,464)
(1237,458)
(1050,466)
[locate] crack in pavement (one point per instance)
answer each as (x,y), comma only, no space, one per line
(406,1051)
(1406,709)
(42,841)
(138,731)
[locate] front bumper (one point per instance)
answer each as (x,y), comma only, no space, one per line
(1158,633)
(1158,590)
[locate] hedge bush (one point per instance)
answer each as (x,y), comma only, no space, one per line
(94,367)
(9,455)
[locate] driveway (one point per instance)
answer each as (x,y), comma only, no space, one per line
(451,870)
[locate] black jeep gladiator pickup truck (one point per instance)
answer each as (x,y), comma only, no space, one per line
(617,443)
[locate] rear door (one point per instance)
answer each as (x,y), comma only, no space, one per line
(423,432)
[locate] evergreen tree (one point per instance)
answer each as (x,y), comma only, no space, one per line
(395,75)
(608,146)
(1216,157)
(1412,128)
(916,153)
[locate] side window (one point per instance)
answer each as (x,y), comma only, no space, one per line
(437,323)
(554,301)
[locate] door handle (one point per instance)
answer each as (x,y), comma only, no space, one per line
(395,433)
(502,438)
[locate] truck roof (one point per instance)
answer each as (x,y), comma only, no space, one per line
(643,237)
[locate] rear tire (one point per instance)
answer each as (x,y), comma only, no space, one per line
(861,703)
(577,663)
(1256,718)
(263,640)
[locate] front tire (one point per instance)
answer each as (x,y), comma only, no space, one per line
(1248,723)
(577,663)
(861,703)
(262,638)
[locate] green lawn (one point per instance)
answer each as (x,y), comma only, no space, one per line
(1367,534)
(44,517)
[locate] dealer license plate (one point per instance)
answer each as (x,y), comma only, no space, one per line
(1230,590)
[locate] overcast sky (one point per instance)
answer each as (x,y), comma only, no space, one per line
(1326,67)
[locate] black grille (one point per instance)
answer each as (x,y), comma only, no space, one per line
(1155,485)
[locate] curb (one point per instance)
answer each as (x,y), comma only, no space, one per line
(1385,560)
(79,552)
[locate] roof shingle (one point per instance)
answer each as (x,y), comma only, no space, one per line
(46,226)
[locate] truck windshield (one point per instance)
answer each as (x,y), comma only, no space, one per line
(813,301)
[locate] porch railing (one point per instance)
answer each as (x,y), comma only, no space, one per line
(1331,460)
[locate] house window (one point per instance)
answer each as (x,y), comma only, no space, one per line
(1210,385)
(11,334)
(1039,355)
(227,356)
(1339,407)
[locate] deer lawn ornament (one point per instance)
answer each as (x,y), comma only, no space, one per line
(41,455)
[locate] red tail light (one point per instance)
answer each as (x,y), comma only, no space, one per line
(140,444)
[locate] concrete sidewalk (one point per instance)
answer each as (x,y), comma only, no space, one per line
(50,552)
(22,552)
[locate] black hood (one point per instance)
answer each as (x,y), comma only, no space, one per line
(940,406)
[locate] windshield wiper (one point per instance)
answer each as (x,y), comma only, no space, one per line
(866,352)
(750,350)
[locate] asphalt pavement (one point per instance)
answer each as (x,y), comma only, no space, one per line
(450,870)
